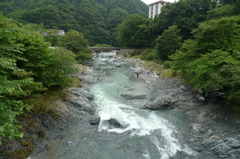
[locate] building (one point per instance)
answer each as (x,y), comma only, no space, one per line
(155,8)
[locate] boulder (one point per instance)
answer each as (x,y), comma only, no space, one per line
(221,149)
(81,92)
(137,70)
(94,120)
(160,103)
(114,123)
(118,65)
(184,88)
(232,142)
(132,97)
(82,104)
(201,99)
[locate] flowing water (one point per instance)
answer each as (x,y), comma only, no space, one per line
(151,133)
(144,134)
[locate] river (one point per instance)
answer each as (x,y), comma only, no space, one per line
(143,134)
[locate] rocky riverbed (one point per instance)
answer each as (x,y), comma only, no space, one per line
(212,129)
(207,127)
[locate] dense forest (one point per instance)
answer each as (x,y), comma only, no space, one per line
(198,39)
(96,19)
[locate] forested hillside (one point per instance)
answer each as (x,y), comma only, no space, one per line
(197,39)
(97,19)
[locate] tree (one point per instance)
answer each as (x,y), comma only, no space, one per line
(168,42)
(61,66)
(133,31)
(211,61)
(27,66)
(222,11)
(217,71)
(74,41)
(186,14)
(97,19)
(14,81)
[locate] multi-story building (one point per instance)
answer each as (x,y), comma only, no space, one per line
(155,8)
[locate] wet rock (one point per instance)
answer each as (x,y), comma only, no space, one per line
(201,98)
(88,108)
(81,92)
(221,149)
(132,97)
(70,142)
(82,104)
(138,70)
(184,88)
(114,123)
(94,120)
(232,142)
(160,103)
(118,65)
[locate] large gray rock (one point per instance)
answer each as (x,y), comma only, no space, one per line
(160,103)
(221,149)
(82,104)
(81,92)
(132,97)
(94,120)
(114,123)
(232,142)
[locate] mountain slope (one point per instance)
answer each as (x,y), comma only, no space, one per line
(97,19)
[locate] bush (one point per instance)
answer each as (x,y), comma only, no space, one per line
(150,55)
(62,64)
(168,42)
(84,57)
(211,61)
(27,66)
(74,41)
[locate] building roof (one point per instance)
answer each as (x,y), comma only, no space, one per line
(158,2)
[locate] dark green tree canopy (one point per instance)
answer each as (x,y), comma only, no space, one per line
(168,42)
(27,66)
(133,31)
(210,62)
(96,19)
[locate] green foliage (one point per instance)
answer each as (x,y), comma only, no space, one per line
(102,45)
(133,31)
(221,33)
(221,11)
(9,109)
(186,14)
(168,42)
(27,66)
(97,19)
(210,62)
(150,55)
(61,65)
(217,71)
(74,41)
(48,15)
(84,56)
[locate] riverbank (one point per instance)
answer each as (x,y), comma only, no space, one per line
(53,112)
(212,128)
